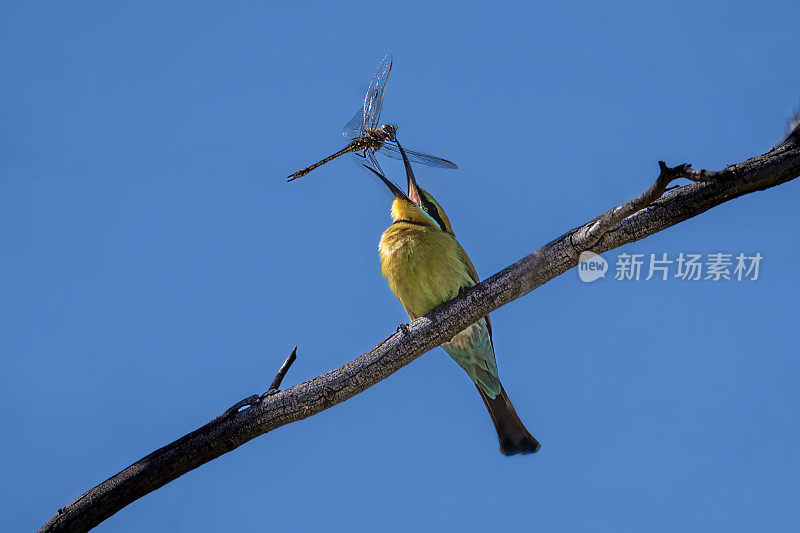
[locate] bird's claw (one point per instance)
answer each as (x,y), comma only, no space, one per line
(402,328)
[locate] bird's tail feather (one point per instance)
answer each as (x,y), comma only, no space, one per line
(514,437)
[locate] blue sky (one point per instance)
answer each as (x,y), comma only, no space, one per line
(156,267)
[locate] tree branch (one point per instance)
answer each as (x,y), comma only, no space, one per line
(651,212)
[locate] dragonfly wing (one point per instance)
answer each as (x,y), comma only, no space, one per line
(392,151)
(368,163)
(373,161)
(366,158)
(373,101)
(354,129)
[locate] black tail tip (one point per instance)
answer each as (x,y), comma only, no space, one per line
(523,447)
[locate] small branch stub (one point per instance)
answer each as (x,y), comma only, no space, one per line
(276,383)
(591,233)
(255,399)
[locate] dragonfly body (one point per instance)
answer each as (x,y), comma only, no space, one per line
(366,137)
(372,140)
(426,266)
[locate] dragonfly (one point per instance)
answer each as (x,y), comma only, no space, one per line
(365,137)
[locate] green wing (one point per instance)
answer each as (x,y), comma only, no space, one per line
(473,274)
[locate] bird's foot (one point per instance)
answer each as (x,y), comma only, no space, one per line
(403,328)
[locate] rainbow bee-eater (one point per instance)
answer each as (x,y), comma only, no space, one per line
(426,266)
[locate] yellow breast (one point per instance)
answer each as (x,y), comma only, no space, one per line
(424,266)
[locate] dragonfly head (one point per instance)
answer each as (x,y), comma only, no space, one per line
(391,132)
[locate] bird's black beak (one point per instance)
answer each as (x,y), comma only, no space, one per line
(395,190)
(413,189)
(414,196)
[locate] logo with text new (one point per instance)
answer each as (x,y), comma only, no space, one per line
(591,267)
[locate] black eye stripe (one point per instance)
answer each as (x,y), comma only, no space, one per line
(433,212)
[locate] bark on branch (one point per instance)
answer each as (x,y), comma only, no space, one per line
(651,212)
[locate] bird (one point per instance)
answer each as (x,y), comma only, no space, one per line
(426,266)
